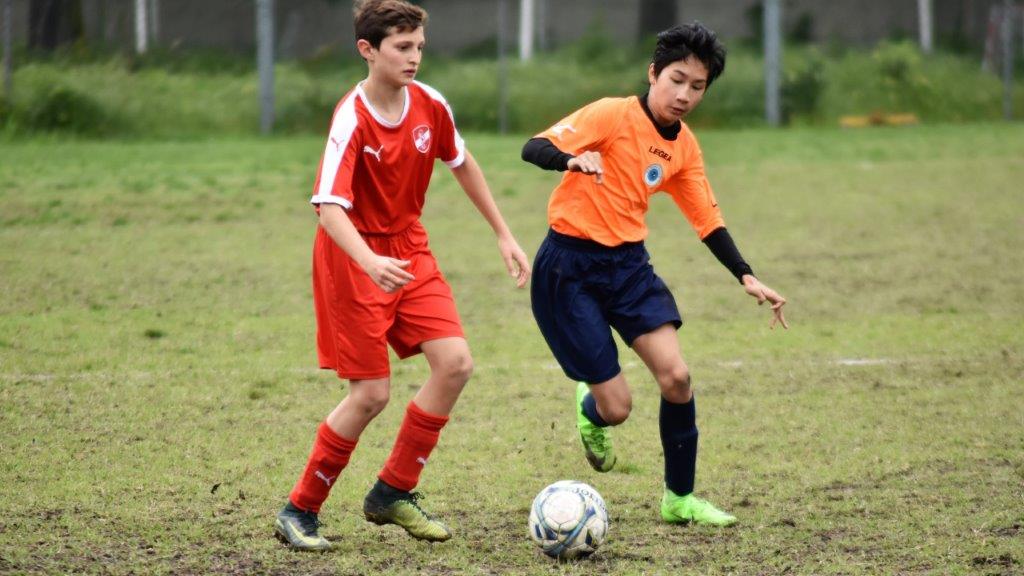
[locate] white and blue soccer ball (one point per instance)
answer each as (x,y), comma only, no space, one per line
(568,520)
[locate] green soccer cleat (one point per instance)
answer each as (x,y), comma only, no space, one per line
(387,505)
(299,529)
(683,509)
(596,440)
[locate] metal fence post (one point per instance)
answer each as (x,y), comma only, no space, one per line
(925,25)
(1007,34)
(141,27)
(772,61)
(502,67)
(8,57)
(265,62)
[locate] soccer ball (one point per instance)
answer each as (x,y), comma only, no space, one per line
(568,520)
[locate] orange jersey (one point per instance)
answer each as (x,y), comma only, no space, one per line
(638,162)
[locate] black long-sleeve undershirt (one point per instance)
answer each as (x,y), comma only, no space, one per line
(544,154)
(722,246)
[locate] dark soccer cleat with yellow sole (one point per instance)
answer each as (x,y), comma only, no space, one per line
(387,505)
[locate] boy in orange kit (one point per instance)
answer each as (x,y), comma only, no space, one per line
(375,280)
(592,272)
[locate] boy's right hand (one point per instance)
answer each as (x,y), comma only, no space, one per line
(588,163)
(388,273)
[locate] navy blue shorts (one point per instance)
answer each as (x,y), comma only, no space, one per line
(582,289)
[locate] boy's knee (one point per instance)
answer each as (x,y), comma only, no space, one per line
(675,382)
(373,401)
(617,413)
(456,369)
(676,377)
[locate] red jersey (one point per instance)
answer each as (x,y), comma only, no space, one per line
(378,170)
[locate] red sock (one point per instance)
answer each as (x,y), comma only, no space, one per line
(328,458)
(416,439)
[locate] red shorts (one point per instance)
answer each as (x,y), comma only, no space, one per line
(356,320)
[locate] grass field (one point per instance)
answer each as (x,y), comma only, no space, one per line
(158,388)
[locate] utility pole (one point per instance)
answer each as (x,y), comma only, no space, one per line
(141,27)
(154,20)
(542,26)
(925,25)
(8,57)
(265,62)
(772,61)
(502,67)
(1007,34)
(525,30)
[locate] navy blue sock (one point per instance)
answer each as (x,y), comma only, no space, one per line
(678,424)
(590,411)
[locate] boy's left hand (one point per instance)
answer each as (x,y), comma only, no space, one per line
(763,293)
(516,262)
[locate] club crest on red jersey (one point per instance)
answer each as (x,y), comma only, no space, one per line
(421,138)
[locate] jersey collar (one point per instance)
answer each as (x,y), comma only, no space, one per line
(666,132)
(376,116)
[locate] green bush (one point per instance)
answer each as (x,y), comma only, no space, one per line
(736,99)
(6,110)
(897,78)
(63,109)
(204,61)
(597,48)
(157,96)
(308,112)
(803,82)
(898,63)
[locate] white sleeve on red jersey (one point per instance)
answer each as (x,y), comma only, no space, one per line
(334,180)
(452,148)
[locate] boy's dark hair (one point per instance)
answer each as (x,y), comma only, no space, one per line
(680,42)
(375,18)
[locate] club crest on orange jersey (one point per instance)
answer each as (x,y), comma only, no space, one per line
(653,175)
(421,138)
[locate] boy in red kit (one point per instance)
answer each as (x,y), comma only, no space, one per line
(375,281)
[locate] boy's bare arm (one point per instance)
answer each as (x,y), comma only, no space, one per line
(387,273)
(471,179)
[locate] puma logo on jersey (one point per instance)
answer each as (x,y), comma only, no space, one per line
(559,128)
(421,460)
(376,153)
(327,480)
